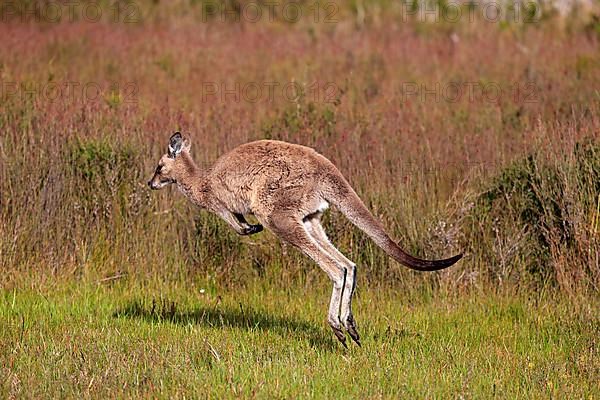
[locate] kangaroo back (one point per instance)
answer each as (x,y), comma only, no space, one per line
(347,201)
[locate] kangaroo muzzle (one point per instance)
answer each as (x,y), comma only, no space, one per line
(156,183)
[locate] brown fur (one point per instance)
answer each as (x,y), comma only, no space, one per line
(287,187)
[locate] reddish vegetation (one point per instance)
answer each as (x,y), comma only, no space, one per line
(406,153)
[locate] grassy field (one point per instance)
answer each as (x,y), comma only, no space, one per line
(186,341)
(477,136)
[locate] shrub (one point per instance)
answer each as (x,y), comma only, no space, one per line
(106,178)
(534,222)
(306,120)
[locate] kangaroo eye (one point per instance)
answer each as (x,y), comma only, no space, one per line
(159,169)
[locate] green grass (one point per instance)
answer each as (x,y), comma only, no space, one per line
(123,339)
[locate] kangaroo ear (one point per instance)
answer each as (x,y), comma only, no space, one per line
(175,145)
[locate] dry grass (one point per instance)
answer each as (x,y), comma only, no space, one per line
(72,185)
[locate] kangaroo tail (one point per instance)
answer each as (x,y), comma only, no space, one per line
(347,201)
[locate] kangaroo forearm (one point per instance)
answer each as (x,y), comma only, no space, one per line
(238,223)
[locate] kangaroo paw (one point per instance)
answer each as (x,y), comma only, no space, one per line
(252,229)
(351,328)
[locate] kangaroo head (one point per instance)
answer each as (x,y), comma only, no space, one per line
(174,165)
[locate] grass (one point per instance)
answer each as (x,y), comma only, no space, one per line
(175,340)
(512,182)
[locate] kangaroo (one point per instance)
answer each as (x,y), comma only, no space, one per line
(287,187)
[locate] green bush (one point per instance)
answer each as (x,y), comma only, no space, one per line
(533,213)
(107,178)
(305,119)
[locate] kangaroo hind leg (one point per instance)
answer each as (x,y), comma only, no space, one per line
(291,229)
(315,228)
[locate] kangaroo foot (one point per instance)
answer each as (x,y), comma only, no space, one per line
(339,333)
(352,331)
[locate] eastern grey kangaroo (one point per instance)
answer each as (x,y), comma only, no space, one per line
(287,187)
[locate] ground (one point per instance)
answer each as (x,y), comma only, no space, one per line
(166,340)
